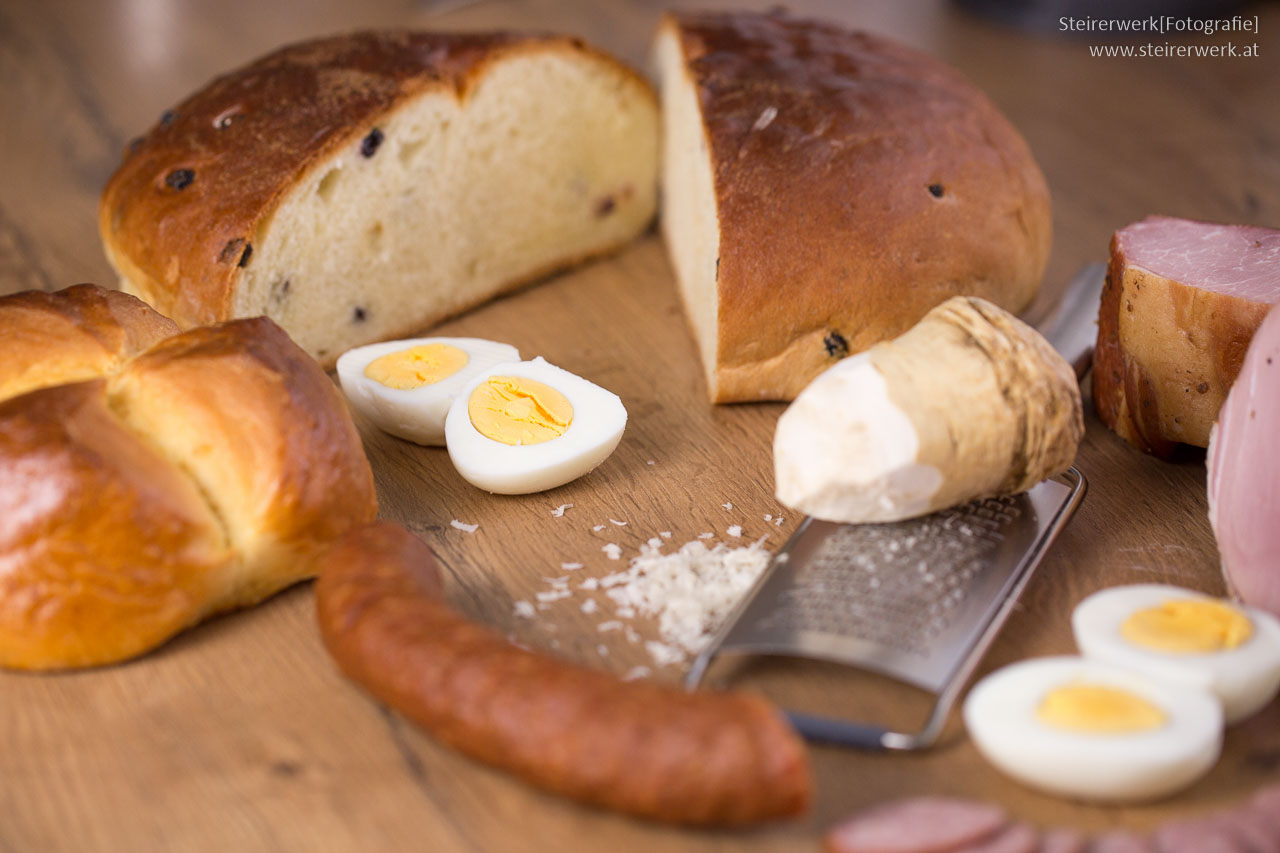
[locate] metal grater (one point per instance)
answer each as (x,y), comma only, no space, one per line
(918,600)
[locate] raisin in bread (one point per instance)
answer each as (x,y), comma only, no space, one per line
(1180,306)
(365,186)
(823,189)
(150,477)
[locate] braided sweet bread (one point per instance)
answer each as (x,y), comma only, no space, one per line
(149,479)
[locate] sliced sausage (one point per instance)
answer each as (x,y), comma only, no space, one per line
(640,748)
(1121,841)
(1198,835)
(1016,838)
(1063,840)
(917,825)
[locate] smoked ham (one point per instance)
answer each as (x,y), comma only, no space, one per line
(1244,474)
(1181,303)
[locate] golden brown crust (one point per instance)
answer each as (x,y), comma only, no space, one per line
(106,550)
(247,137)
(639,748)
(1166,356)
(825,145)
(77,333)
(197,476)
(264,432)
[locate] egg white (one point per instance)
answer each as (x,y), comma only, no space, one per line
(415,414)
(1000,714)
(599,419)
(1244,678)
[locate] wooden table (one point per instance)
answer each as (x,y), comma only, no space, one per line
(240,734)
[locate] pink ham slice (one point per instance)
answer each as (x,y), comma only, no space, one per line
(917,825)
(1063,840)
(1120,841)
(1016,838)
(1182,301)
(1244,474)
(1199,835)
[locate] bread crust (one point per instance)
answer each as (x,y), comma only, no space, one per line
(180,241)
(825,145)
(265,434)
(639,748)
(81,332)
(107,549)
(199,475)
(1166,356)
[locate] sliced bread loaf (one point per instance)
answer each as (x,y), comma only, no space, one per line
(364,186)
(823,189)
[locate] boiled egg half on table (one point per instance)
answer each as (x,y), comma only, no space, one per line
(1140,715)
(511,427)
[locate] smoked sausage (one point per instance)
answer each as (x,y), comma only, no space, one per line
(644,749)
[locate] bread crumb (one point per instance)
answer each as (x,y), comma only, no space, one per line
(706,535)
(570,567)
(767,115)
(589,583)
(626,612)
(727,505)
(637,672)
(602,650)
(666,534)
(735,531)
(552,595)
(618,523)
(598,528)
(651,462)
(558,512)
(589,606)
(611,625)
(777,522)
(461,525)
(525,609)
(768,516)
(612,551)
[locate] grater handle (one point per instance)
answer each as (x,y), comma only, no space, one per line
(819,729)
(1072,328)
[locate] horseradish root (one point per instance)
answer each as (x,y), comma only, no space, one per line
(970,402)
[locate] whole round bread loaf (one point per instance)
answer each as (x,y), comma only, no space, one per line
(364,186)
(823,189)
(150,478)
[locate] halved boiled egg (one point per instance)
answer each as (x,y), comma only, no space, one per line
(529,426)
(406,387)
(1088,729)
(1185,637)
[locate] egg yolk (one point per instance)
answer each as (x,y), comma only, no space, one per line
(515,410)
(1185,626)
(1098,709)
(425,364)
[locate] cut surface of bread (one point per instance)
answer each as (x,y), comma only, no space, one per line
(823,189)
(1181,304)
(365,186)
(198,475)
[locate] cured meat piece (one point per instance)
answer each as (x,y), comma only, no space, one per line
(917,825)
(1259,832)
(1244,474)
(1017,838)
(641,748)
(1198,835)
(1181,303)
(1063,841)
(1121,842)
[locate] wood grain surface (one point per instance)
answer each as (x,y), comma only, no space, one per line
(240,735)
